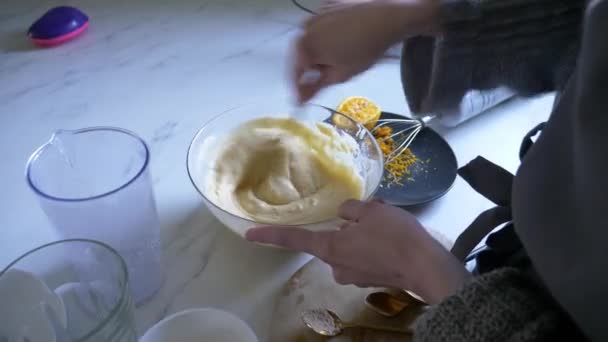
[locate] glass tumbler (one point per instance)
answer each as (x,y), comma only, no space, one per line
(94,183)
(67,291)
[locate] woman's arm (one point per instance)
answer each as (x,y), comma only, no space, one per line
(529,46)
(503,305)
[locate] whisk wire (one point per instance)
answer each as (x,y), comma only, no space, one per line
(404,145)
(404,136)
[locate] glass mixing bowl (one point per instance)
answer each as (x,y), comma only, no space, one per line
(205,147)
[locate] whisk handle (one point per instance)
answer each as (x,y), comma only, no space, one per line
(425,119)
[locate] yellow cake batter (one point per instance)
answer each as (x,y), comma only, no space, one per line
(282,171)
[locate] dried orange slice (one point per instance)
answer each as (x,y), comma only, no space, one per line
(360,109)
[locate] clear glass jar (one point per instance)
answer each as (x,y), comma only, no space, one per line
(67,291)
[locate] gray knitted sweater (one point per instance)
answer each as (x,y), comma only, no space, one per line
(503,305)
(530,46)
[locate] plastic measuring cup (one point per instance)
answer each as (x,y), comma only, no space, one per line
(94,183)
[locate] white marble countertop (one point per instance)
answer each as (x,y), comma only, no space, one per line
(162,68)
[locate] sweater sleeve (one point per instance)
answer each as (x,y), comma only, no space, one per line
(503,305)
(528,46)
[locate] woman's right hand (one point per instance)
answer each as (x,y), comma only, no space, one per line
(345,41)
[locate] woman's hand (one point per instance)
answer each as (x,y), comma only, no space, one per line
(344,41)
(378,245)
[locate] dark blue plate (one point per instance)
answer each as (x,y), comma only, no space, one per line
(430,178)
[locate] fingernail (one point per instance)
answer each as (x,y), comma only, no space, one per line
(248,234)
(251,232)
(310,77)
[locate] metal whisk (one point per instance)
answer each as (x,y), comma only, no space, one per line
(404,132)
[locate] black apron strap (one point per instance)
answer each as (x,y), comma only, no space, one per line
(527,142)
(494,183)
(476,231)
(490,180)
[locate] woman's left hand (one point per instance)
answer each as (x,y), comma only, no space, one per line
(378,245)
(346,39)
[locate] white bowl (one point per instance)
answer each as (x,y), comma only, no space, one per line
(203,152)
(196,325)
